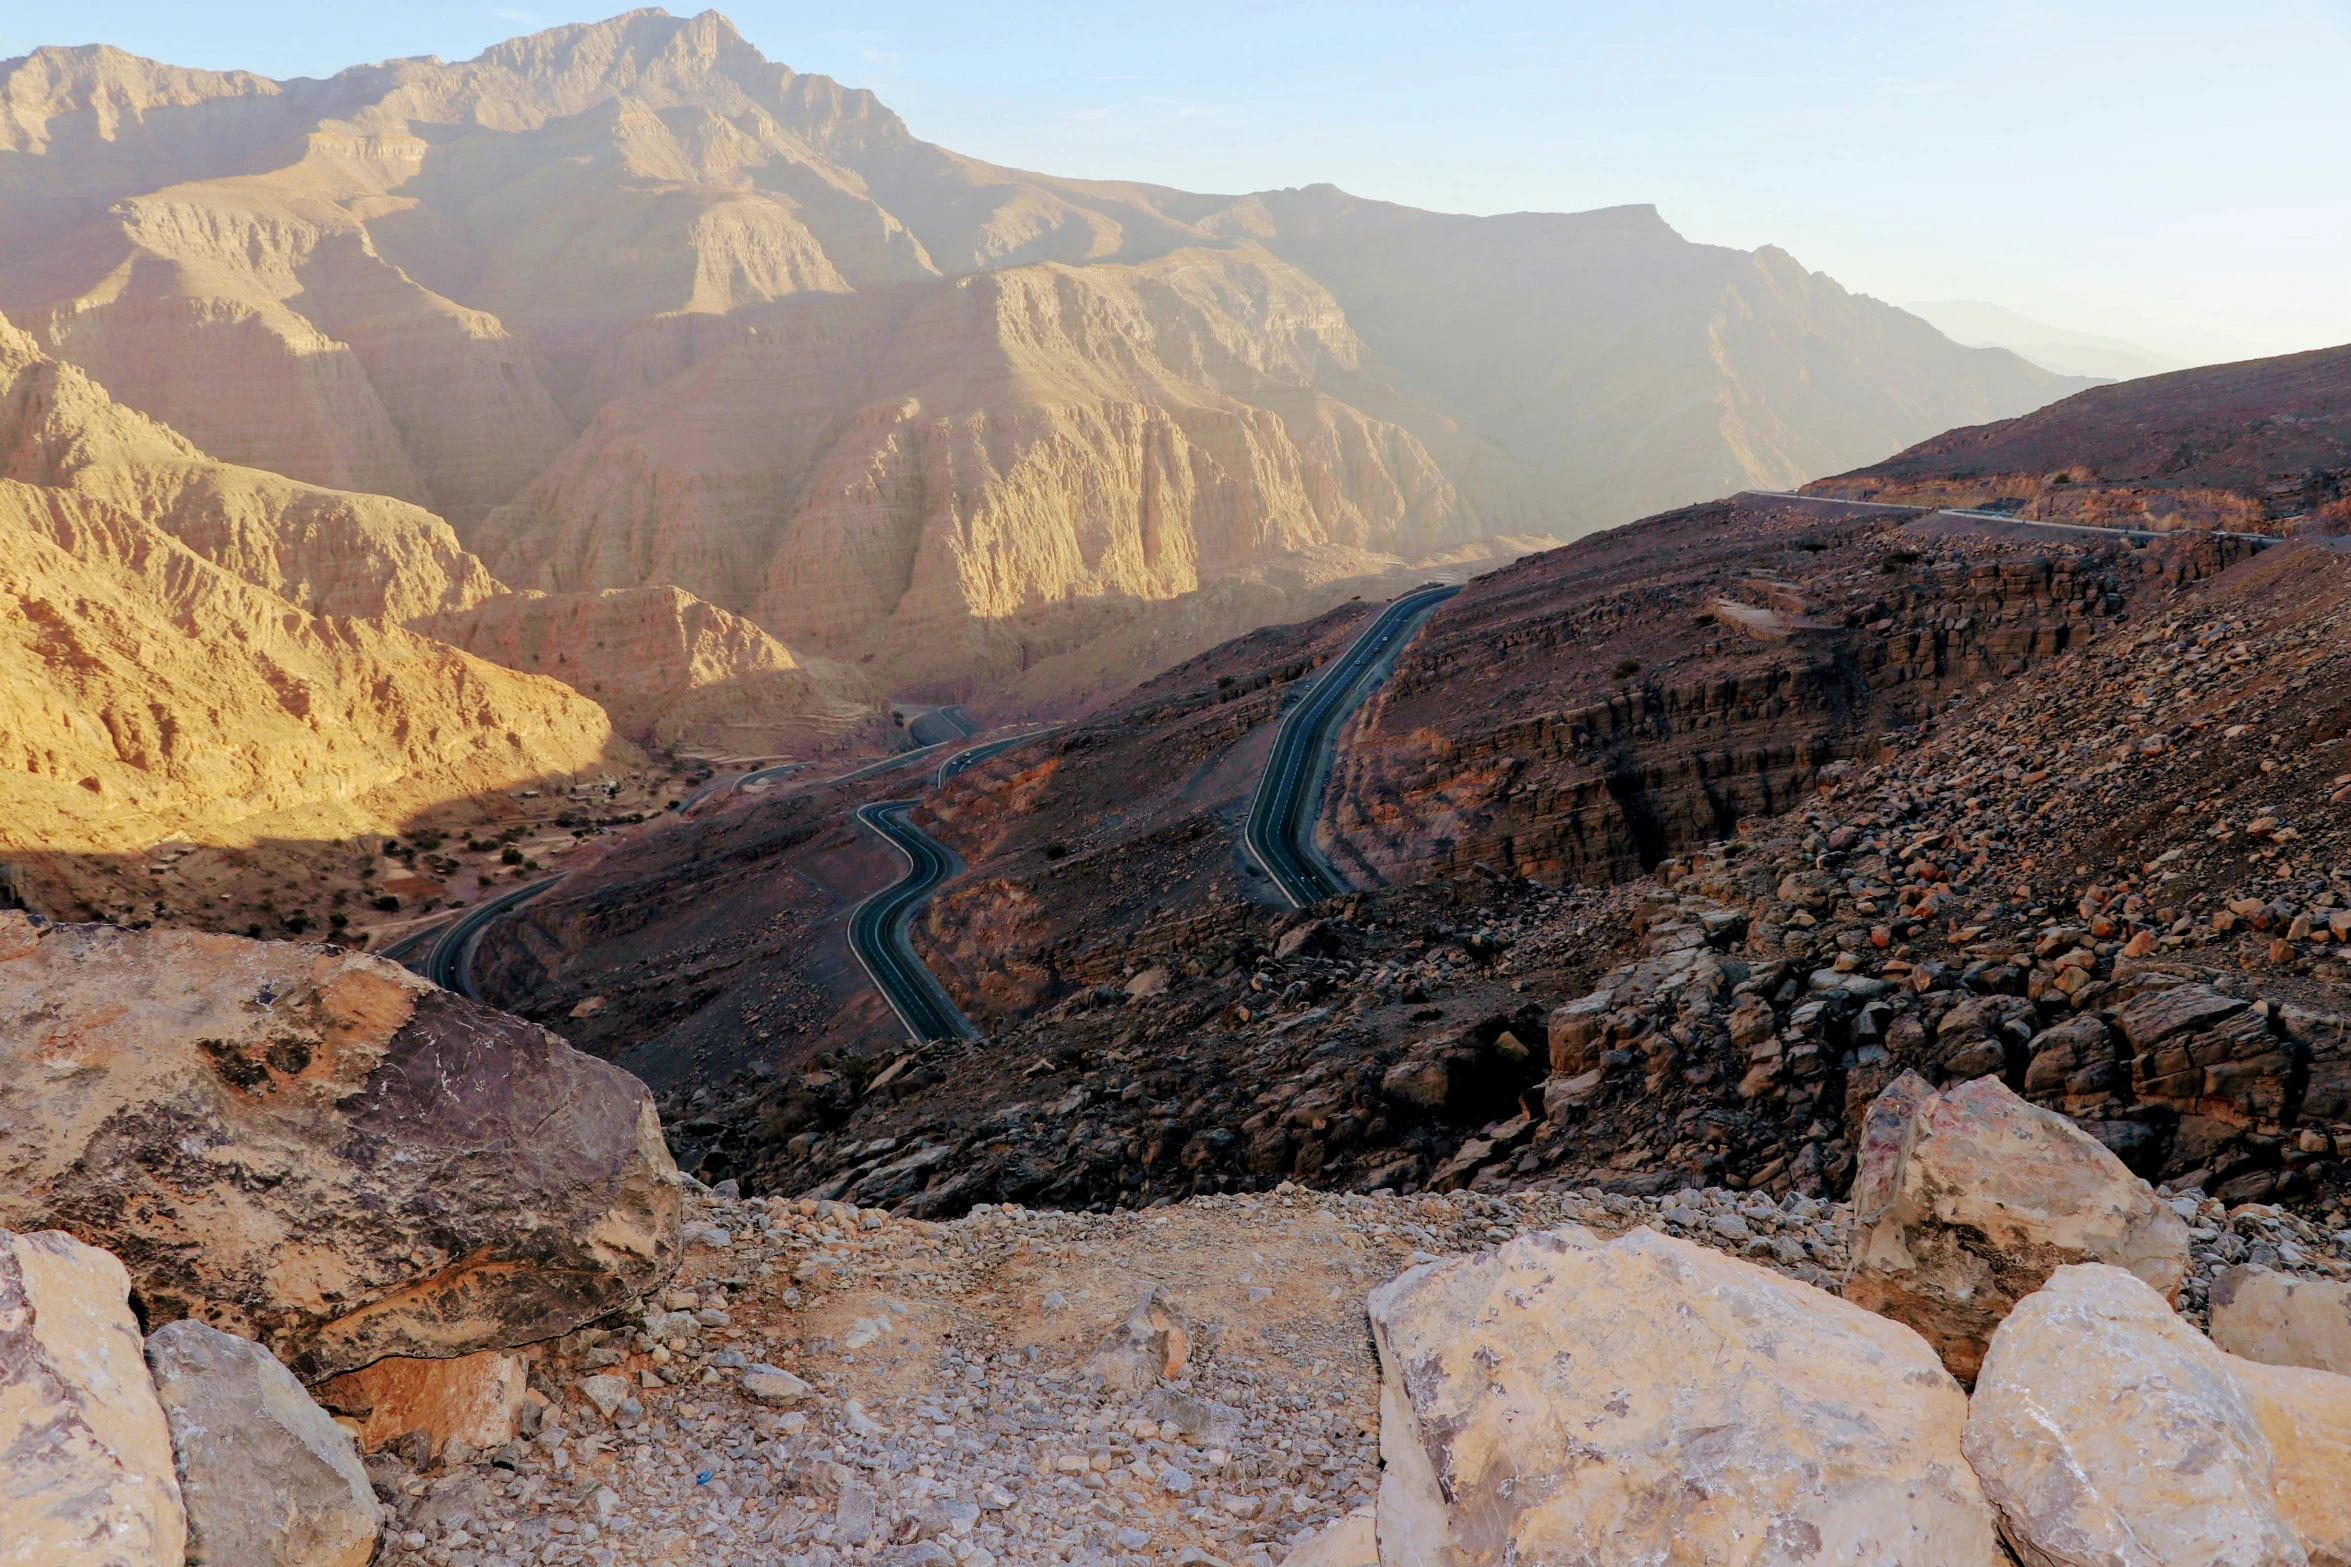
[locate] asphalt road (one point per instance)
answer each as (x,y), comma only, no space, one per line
(1280,831)
(448,962)
(1962,516)
(877,927)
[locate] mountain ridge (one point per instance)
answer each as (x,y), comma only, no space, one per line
(439,279)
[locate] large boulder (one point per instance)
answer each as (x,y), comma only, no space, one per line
(86,1476)
(269,1479)
(2282,1320)
(2107,1430)
(2307,1417)
(318,1150)
(1649,1400)
(1966,1200)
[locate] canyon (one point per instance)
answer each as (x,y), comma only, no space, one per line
(630,306)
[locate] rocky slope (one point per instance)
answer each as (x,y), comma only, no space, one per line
(2264,445)
(632,306)
(2030,883)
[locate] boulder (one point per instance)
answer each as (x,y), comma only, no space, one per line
(2107,1430)
(1966,1200)
(86,1476)
(1351,1541)
(1650,1400)
(2281,1320)
(318,1150)
(1150,1344)
(2307,1417)
(475,1399)
(269,1479)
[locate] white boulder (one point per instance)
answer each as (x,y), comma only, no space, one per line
(1649,1401)
(2110,1433)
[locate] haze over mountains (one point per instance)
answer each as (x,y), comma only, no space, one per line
(791,412)
(629,304)
(2056,348)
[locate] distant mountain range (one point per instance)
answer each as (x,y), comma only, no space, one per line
(2053,348)
(631,305)
(784,410)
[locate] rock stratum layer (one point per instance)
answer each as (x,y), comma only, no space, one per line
(632,306)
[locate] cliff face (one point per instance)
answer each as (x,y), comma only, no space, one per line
(1583,714)
(632,306)
(951,477)
(671,669)
(189,649)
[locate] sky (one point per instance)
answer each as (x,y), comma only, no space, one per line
(2170,174)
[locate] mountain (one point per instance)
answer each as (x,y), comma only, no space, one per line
(2054,348)
(175,667)
(632,306)
(2263,444)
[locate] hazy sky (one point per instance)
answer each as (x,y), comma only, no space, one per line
(2169,173)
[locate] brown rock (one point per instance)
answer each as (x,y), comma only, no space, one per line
(318,1150)
(1967,1200)
(1150,1344)
(1573,1028)
(476,1399)
(2281,1320)
(2306,1415)
(86,1476)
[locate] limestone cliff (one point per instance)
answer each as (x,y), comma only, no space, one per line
(673,670)
(966,478)
(193,650)
(328,551)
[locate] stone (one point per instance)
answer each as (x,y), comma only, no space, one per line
(1559,1400)
(475,1399)
(317,1149)
(2281,1320)
(268,1478)
(1573,1028)
(2306,1415)
(2107,1430)
(1966,1200)
(1197,1420)
(86,1474)
(606,1392)
(2154,1016)
(1151,1343)
(774,1385)
(1351,1541)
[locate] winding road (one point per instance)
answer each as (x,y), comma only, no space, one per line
(1279,834)
(877,927)
(448,961)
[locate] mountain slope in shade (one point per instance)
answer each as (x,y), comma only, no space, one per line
(1982,325)
(2265,443)
(551,292)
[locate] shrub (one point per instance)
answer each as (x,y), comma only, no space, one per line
(387,904)
(1624,669)
(1055,851)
